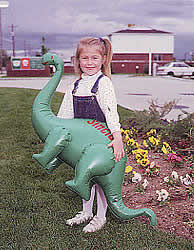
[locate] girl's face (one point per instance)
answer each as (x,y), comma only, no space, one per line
(90,60)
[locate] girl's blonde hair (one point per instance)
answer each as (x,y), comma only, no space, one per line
(105,49)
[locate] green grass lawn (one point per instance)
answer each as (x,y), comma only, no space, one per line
(34,205)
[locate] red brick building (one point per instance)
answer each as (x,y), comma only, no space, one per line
(137,48)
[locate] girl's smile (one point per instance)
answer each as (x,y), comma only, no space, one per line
(90,60)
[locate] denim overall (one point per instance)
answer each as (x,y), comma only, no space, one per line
(84,107)
(87,107)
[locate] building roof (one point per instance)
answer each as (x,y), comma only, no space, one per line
(142,30)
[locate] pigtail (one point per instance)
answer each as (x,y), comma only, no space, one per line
(77,69)
(106,70)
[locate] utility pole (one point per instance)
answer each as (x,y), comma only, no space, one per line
(13,38)
(25,54)
(29,49)
(1,45)
(3,4)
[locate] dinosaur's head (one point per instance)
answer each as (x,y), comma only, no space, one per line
(49,59)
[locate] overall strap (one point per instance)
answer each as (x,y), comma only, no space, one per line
(95,87)
(75,86)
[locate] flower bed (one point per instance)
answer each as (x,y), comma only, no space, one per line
(159,178)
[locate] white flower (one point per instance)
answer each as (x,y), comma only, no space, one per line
(162,195)
(187,180)
(166,179)
(174,175)
(136,178)
(145,183)
(181,178)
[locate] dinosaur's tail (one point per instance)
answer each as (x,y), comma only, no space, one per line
(112,186)
(120,210)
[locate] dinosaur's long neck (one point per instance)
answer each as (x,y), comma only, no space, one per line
(43,99)
(41,109)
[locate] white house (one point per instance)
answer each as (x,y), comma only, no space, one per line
(137,48)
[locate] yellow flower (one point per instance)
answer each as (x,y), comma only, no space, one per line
(148,134)
(127,137)
(145,156)
(164,150)
(122,130)
(166,144)
(151,132)
(157,141)
(128,169)
(151,139)
(144,162)
(134,172)
(131,142)
(167,147)
(138,156)
(144,152)
(126,131)
(134,152)
(139,150)
(137,145)
(145,144)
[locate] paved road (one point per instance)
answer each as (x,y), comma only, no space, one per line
(137,92)
(132,92)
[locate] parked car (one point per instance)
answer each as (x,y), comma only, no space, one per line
(176,69)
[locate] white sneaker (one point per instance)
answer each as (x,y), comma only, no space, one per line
(81,217)
(96,224)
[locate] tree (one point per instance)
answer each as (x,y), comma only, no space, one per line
(3,58)
(44,49)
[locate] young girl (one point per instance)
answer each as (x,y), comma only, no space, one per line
(93,97)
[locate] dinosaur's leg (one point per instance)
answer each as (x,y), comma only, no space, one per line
(57,139)
(97,160)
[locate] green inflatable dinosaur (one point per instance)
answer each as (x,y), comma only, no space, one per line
(81,143)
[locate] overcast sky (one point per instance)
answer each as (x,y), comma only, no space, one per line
(99,16)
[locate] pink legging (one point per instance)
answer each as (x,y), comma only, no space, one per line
(101,202)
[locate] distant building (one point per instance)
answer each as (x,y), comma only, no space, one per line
(68,66)
(137,48)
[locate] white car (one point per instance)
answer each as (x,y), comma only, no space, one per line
(176,69)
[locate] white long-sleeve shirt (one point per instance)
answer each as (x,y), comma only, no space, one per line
(105,96)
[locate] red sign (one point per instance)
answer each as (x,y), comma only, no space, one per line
(25,63)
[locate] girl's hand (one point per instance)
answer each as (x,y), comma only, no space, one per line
(117,145)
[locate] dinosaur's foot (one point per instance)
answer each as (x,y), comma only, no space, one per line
(152,217)
(51,166)
(40,159)
(82,189)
